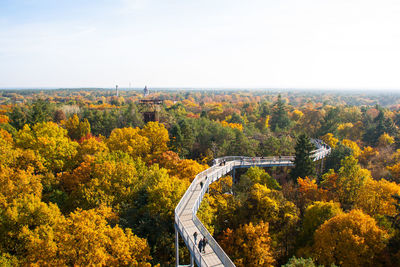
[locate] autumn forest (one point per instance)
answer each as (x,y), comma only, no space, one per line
(87,180)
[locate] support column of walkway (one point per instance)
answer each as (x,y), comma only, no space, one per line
(177,246)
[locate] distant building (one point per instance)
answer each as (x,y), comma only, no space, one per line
(150,109)
(146,91)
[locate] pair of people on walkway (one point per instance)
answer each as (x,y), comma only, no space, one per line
(202,243)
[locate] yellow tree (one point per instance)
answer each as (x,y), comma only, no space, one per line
(181,168)
(50,142)
(256,175)
(314,216)
(165,193)
(395,172)
(24,212)
(129,140)
(351,239)
(385,140)
(16,183)
(347,182)
(330,140)
(310,192)
(71,181)
(264,204)
(353,145)
(17,158)
(249,245)
(188,169)
(104,182)
(85,239)
(375,197)
(219,211)
(297,115)
(76,128)
(367,154)
(91,146)
(157,135)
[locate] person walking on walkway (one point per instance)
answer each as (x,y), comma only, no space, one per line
(205,242)
(195,237)
(200,245)
(201,184)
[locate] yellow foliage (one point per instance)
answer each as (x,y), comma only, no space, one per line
(375,197)
(314,216)
(168,103)
(367,154)
(91,146)
(266,123)
(76,129)
(17,158)
(232,125)
(297,115)
(350,131)
(165,194)
(395,172)
(129,140)
(385,140)
(330,140)
(16,183)
(310,192)
(72,180)
(4,119)
(249,245)
(346,183)
(157,135)
(396,155)
(221,186)
(351,239)
(270,206)
(50,142)
(181,168)
(188,169)
(345,126)
(85,239)
(104,182)
(353,145)
(25,211)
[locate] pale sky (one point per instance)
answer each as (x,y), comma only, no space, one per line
(200,43)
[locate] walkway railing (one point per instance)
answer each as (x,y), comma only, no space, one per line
(221,167)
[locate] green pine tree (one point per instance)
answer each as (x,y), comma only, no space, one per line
(304,164)
(279,119)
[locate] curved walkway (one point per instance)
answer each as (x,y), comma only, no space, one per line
(186,221)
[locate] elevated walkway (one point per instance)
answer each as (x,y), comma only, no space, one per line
(186,221)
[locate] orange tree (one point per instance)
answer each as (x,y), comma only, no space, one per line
(350,239)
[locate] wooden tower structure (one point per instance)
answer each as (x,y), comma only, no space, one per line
(150,108)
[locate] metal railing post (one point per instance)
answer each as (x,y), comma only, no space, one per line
(177,246)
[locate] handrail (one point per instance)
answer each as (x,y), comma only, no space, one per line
(189,243)
(226,261)
(220,167)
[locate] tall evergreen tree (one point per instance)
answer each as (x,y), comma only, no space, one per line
(280,119)
(330,122)
(304,164)
(40,111)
